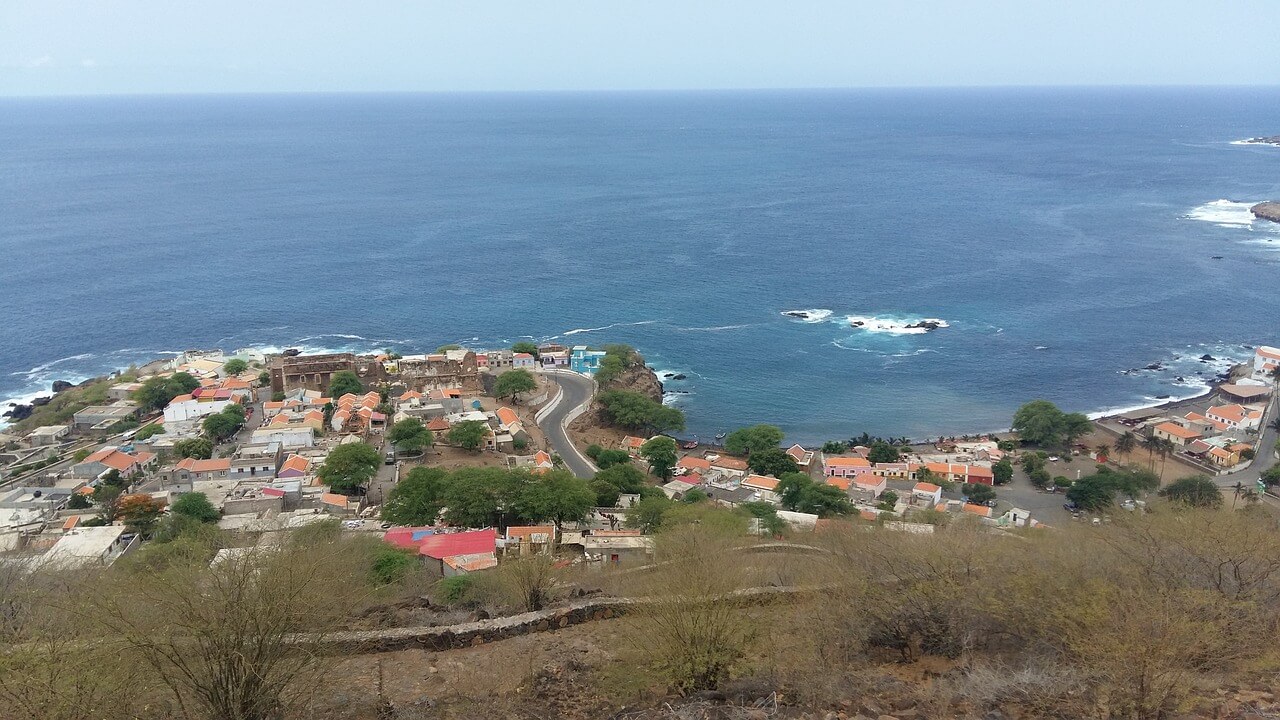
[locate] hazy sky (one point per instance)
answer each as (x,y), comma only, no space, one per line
(147,46)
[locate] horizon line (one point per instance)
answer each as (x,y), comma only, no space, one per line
(640,91)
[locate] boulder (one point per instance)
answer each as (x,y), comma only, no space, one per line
(60,385)
(41,401)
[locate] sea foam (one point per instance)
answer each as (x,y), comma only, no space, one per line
(893,326)
(815,315)
(1224,213)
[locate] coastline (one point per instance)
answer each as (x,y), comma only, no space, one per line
(661,376)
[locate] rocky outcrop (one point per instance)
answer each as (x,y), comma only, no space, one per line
(60,385)
(639,378)
(1272,140)
(1266,211)
(18,412)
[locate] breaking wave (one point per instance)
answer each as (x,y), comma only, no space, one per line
(816,315)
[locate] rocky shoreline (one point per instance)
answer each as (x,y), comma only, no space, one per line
(1271,140)
(1267,211)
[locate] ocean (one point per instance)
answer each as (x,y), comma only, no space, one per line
(1066,237)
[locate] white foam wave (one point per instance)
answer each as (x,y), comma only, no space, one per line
(815,315)
(1224,213)
(894,326)
(717,328)
(49,365)
(578,331)
(1254,142)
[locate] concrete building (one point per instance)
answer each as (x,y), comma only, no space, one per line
(48,435)
(83,547)
(582,360)
(100,418)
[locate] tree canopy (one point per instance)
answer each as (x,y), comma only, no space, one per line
(772,461)
(607,458)
(195,505)
(756,438)
(800,493)
(979,493)
(1040,422)
(661,454)
(410,435)
(156,392)
(557,496)
(235,366)
(468,434)
(197,448)
(343,382)
(222,425)
(636,411)
(1195,491)
(524,346)
(417,499)
(513,382)
(139,512)
(1098,491)
(148,431)
(883,452)
(349,467)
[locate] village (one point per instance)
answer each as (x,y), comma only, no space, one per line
(264,444)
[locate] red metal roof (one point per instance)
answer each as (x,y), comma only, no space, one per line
(472,542)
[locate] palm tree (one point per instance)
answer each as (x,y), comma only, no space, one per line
(1151,444)
(1239,488)
(1167,448)
(1104,451)
(1126,443)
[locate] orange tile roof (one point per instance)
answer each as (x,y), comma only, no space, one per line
(1268,353)
(296,463)
(524,531)
(633,442)
(1177,431)
(980,471)
(840,482)
(181,398)
(541,458)
(71,522)
(438,425)
(729,463)
(848,462)
(981,510)
(689,462)
(507,416)
(797,452)
(334,499)
(926,487)
(210,465)
(760,481)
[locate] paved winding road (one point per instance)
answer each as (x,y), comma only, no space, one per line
(576,392)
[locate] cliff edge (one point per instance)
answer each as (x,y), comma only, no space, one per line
(1267,211)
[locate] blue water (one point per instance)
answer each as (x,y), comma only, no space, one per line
(1053,230)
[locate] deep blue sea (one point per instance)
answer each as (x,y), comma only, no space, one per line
(1065,235)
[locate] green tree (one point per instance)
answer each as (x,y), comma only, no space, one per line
(479,497)
(235,366)
(767,514)
(222,425)
(513,382)
(156,392)
(791,487)
(979,493)
(660,453)
(1092,493)
(1040,477)
(264,378)
(772,461)
(1074,427)
(343,382)
(197,448)
(468,434)
(446,348)
(146,432)
(824,501)
(79,455)
(1040,422)
(410,435)
(648,514)
(625,478)
(1126,443)
(417,499)
(557,496)
(888,500)
(78,501)
(525,346)
(1195,491)
(606,493)
(834,447)
(636,411)
(107,497)
(756,438)
(1002,471)
(606,459)
(883,452)
(348,467)
(196,506)
(391,565)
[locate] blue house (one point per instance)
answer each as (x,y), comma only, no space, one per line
(582,360)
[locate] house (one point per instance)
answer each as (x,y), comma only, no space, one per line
(522,361)
(554,358)
(1236,417)
(1201,424)
(1175,433)
(1223,457)
(188,471)
(295,466)
(1265,361)
(979,475)
(729,466)
(632,445)
(189,408)
(690,463)
(766,486)
(892,471)
(408,538)
(100,418)
(801,522)
(123,390)
(803,458)
(927,493)
(525,540)
(48,435)
(111,458)
(459,553)
(288,437)
(846,466)
(868,487)
(981,511)
(81,547)
(678,488)
(336,504)
(255,462)
(542,462)
(618,547)
(582,360)
(510,422)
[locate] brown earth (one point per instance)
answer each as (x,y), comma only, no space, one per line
(591,429)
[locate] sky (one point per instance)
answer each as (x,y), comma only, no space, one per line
(75,47)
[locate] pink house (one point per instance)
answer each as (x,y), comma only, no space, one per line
(846,467)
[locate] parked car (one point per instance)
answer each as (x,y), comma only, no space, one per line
(1070,506)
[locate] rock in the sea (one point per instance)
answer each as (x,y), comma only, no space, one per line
(926,324)
(1207,358)
(1272,140)
(1154,366)
(291,352)
(60,385)
(18,412)
(1266,211)
(41,401)
(679,376)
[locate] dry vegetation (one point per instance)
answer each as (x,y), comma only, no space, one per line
(1143,618)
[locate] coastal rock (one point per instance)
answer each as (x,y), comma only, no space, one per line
(18,412)
(60,385)
(679,376)
(291,352)
(1271,140)
(1154,366)
(925,324)
(1266,211)
(1207,358)
(41,401)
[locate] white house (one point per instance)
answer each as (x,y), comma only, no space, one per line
(1236,417)
(287,436)
(1265,360)
(927,493)
(185,408)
